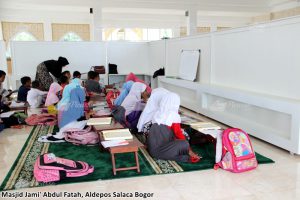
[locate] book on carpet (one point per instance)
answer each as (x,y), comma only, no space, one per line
(117,134)
(99,121)
(188,120)
(200,126)
(214,133)
(99,108)
(104,112)
(114,143)
(7,114)
(15,104)
(103,103)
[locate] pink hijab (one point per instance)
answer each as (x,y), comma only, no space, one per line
(52,97)
(132,77)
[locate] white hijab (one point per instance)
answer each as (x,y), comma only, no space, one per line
(167,113)
(133,97)
(151,107)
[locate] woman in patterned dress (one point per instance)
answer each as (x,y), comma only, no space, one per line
(49,71)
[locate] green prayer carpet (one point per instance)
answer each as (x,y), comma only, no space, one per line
(21,173)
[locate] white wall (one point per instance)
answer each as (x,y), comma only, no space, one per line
(253,79)
(263,58)
(157,55)
(81,55)
(129,56)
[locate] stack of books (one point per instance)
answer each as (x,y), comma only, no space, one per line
(99,121)
(117,134)
(114,143)
(203,126)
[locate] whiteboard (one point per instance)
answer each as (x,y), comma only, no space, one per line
(189,61)
(174,47)
(129,56)
(81,55)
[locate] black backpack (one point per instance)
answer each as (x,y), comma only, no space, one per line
(160,72)
(112,68)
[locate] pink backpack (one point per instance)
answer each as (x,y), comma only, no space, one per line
(87,136)
(237,152)
(49,168)
(42,119)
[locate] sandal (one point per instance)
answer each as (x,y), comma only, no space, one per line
(194,159)
(51,139)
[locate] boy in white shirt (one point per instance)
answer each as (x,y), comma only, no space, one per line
(35,96)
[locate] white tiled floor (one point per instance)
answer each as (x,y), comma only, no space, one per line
(270,181)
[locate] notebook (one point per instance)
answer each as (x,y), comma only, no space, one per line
(200,126)
(99,121)
(99,104)
(187,120)
(104,112)
(114,143)
(214,133)
(117,134)
(15,104)
(7,114)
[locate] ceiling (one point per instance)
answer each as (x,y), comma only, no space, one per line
(205,5)
(126,11)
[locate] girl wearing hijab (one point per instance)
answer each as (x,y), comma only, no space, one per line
(134,96)
(125,90)
(130,110)
(151,107)
(165,139)
(67,93)
(71,114)
(53,98)
(49,71)
(132,77)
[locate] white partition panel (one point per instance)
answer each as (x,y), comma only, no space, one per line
(3,62)
(81,55)
(273,119)
(263,58)
(174,48)
(157,58)
(157,55)
(129,56)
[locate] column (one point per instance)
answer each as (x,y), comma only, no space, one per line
(1,33)
(213,28)
(191,21)
(47,31)
(97,23)
(176,32)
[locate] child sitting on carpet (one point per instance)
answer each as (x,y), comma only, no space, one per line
(63,81)
(92,85)
(134,103)
(67,74)
(53,98)
(24,88)
(70,112)
(35,95)
(4,94)
(165,138)
(76,74)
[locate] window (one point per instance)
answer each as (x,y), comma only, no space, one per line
(166,33)
(136,34)
(71,37)
(121,34)
(21,36)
